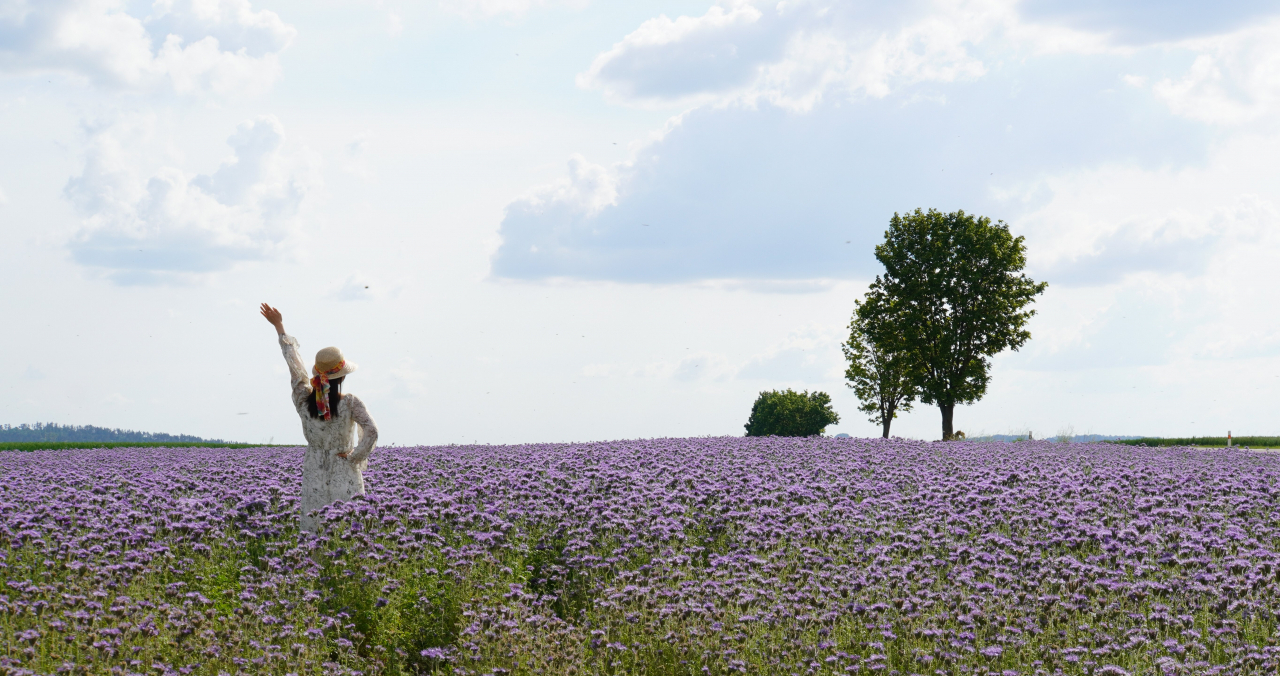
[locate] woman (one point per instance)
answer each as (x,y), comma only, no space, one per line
(331,471)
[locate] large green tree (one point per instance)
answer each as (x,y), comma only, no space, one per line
(952,296)
(878,374)
(787,413)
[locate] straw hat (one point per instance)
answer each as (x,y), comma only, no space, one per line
(330,358)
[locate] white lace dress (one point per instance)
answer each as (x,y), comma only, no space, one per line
(327,478)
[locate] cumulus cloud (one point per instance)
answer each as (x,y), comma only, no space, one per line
(490,8)
(222,47)
(1147,318)
(1179,241)
(793,53)
(588,189)
(1137,22)
(769,193)
(169,227)
(808,356)
(700,365)
(811,123)
(1102,225)
(1235,78)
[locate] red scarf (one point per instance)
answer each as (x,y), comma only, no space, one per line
(320,385)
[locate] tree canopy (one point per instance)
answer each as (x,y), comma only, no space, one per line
(878,375)
(951,297)
(53,432)
(787,413)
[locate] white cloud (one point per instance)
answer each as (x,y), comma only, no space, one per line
(491,8)
(408,380)
(812,123)
(222,47)
(1175,240)
(1140,22)
(699,366)
(588,189)
(808,356)
(117,399)
(353,288)
(1235,79)
(695,365)
(360,287)
(1099,225)
(792,53)
(356,152)
(764,192)
(170,226)
(1157,266)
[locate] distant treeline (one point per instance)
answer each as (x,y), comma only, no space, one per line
(1076,439)
(53,432)
(54,445)
(1202,441)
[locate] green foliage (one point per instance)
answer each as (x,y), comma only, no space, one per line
(417,605)
(787,413)
(57,445)
(406,605)
(879,376)
(951,297)
(1255,442)
(549,573)
(86,433)
(200,631)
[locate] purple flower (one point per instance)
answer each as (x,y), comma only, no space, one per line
(437,654)
(610,544)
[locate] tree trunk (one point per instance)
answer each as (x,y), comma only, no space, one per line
(887,420)
(947,411)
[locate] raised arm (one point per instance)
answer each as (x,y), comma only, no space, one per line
(368,430)
(273,315)
(298,378)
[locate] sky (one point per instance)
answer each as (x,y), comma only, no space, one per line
(571,220)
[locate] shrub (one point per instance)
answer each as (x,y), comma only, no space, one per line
(787,413)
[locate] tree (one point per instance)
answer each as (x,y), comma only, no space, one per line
(952,296)
(791,414)
(878,374)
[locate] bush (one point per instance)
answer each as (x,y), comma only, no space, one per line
(788,413)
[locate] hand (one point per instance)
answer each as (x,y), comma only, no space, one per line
(273,315)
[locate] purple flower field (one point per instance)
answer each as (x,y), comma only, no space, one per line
(666,556)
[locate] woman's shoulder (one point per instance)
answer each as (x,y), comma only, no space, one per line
(355,408)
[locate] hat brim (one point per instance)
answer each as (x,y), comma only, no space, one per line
(346,370)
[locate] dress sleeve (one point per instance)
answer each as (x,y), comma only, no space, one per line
(298,378)
(368,430)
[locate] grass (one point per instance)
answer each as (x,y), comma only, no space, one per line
(1217,442)
(58,445)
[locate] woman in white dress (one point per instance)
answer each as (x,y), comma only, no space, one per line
(332,468)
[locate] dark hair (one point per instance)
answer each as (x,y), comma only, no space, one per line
(335,395)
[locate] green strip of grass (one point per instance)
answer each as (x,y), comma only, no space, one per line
(55,445)
(1255,442)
